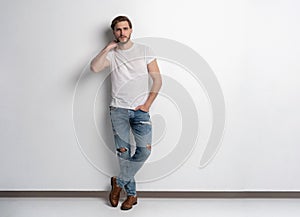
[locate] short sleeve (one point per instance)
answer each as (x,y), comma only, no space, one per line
(149,55)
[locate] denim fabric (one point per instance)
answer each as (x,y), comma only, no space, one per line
(139,123)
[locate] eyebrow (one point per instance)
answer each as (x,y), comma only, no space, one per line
(126,27)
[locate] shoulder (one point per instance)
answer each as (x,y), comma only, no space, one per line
(141,46)
(144,49)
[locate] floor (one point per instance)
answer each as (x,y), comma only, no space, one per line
(154,207)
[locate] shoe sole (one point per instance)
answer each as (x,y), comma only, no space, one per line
(125,208)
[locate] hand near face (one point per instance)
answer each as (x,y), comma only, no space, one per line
(111,45)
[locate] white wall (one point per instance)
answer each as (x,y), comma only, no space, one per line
(49,138)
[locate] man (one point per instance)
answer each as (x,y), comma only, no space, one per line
(131,65)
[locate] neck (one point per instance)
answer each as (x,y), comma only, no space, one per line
(125,46)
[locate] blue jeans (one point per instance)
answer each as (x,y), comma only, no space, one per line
(139,123)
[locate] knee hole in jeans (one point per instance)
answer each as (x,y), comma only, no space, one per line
(148,146)
(122,150)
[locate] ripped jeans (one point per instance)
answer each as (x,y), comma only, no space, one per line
(139,123)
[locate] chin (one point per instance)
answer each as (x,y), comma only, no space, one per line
(125,41)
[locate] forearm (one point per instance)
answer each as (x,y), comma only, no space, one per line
(150,99)
(100,61)
(156,85)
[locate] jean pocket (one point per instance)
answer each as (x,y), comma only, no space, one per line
(143,111)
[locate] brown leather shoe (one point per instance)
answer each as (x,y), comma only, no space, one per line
(114,195)
(129,202)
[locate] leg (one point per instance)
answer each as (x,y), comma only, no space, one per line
(142,131)
(121,131)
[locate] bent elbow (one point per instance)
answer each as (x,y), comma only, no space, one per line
(159,84)
(93,69)
(159,81)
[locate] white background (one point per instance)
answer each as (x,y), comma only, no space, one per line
(252,47)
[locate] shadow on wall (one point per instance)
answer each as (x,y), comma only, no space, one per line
(90,108)
(105,36)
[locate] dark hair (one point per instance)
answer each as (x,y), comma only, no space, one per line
(120,19)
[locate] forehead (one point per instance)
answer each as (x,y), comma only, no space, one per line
(122,24)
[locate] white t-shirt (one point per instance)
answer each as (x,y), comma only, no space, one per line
(129,75)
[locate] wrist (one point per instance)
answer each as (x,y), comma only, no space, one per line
(147,105)
(106,49)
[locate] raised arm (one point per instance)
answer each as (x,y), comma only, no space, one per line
(100,62)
